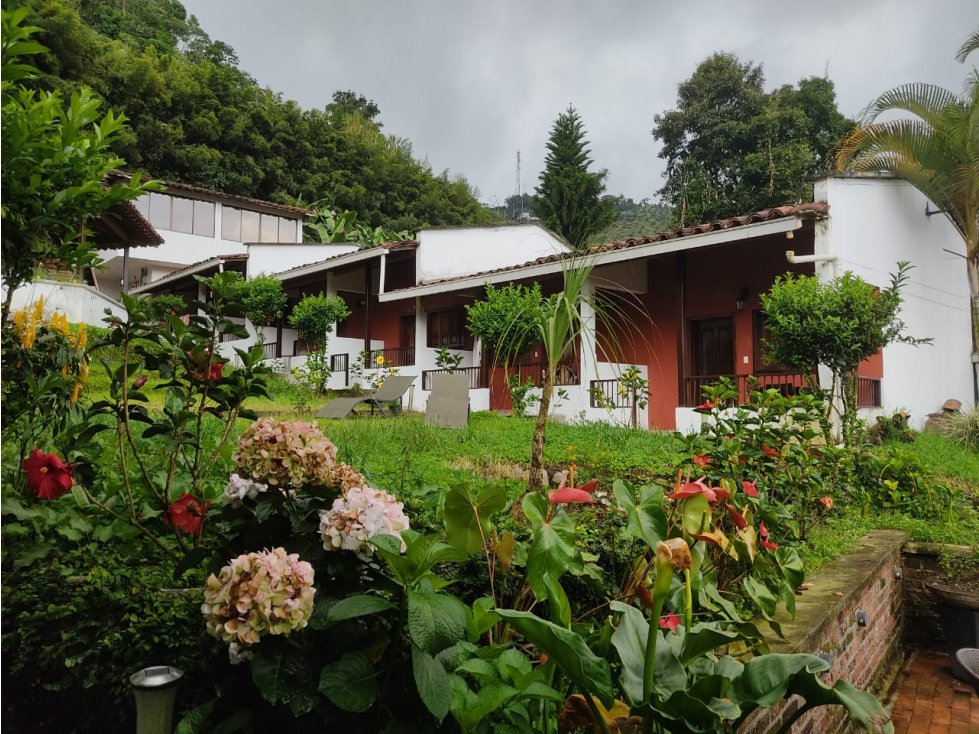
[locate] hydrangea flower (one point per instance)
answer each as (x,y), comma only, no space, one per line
(240,487)
(345,478)
(361,514)
(285,454)
(268,592)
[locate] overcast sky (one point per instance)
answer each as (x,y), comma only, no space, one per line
(471,82)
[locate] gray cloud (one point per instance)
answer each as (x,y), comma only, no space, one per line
(469,83)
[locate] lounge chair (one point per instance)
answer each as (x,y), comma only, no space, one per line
(448,405)
(389,394)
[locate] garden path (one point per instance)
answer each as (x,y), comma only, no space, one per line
(931,701)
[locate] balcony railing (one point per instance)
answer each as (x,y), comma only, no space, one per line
(566,373)
(787,383)
(607,394)
(478,376)
(393,357)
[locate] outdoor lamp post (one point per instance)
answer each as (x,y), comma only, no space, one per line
(156,693)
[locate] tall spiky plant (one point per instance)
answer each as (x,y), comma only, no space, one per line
(937,152)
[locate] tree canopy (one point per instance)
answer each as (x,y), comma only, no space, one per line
(195,117)
(732,148)
(569,198)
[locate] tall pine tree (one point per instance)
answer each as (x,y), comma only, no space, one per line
(569,198)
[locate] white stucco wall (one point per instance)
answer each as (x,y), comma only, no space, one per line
(874,223)
(276,258)
(78,302)
(445,253)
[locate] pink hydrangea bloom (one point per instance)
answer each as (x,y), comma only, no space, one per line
(268,592)
(285,454)
(359,515)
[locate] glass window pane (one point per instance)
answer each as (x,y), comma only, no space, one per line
(249,227)
(270,228)
(160,210)
(204,218)
(142,205)
(287,230)
(183,215)
(230,224)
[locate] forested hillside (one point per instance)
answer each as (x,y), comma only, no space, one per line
(196,117)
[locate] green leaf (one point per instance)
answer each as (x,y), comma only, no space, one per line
(696,514)
(193,721)
(435,621)
(78,494)
(645,518)
(702,638)
(282,677)
(552,548)
(467,515)
(765,679)
(357,606)
(629,640)
(432,682)
(350,682)
(569,651)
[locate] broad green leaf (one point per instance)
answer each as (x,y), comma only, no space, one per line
(193,721)
(629,640)
(761,595)
(467,515)
(645,518)
(483,617)
(557,601)
(569,651)
(703,638)
(357,606)
(435,621)
(552,548)
(765,679)
(282,677)
(862,707)
(350,682)
(432,682)
(696,514)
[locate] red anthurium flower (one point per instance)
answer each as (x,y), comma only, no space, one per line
(737,517)
(645,596)
(763,534)
(701,460)
(769,451)
(827,502)
(749,489)
(47,475)
(707,406)
(187,514)
(574,495)
(669,621)
(692,489)
(722,494)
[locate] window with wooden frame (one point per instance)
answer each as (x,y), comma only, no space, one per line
(761,333)
(448,329)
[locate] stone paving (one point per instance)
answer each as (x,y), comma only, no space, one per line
(930,701)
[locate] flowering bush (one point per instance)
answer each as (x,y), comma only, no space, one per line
(360,515)
(263,593)
(294,454)
(238,488)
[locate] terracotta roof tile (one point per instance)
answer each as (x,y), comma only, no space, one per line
(137,228)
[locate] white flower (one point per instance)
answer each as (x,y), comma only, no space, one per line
(361,514)
(240,487)
(239,653)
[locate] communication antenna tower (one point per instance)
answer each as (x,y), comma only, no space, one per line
(519,190)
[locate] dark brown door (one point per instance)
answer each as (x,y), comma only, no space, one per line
(407,331)
(713,346)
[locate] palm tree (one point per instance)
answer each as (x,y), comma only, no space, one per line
(937,152)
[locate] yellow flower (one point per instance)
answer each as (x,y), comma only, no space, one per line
(20,321)
(380,360)
(29,336)
(82,339)
(37,315)
(76,392)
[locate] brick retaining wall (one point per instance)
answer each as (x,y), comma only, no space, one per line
(868,579)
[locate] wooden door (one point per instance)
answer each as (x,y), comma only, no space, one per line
(712,342)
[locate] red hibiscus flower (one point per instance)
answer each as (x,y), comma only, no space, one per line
(763,534)
(738,518)
(749,489)
(769,451)
(47,475)
(573,495)
(827,502)
(217,371)
(701,460)
(187,514)
(705,407)
(669,621)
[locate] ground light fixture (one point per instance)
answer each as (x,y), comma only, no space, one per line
(155,689)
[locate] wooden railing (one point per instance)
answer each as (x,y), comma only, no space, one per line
(341,363)
(271,350)
(478,376)
(868,392)
(606,394)
(787,383)
(393,357)
(566,373)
